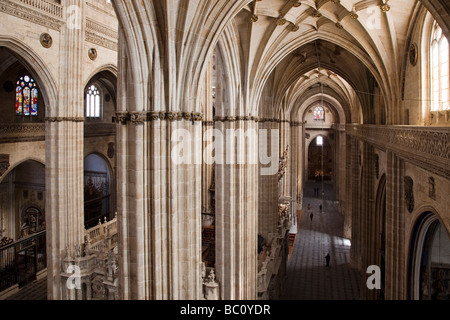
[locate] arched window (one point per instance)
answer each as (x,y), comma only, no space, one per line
(26,97)
(439,66)
(93,107)
(319,141)
(319,113)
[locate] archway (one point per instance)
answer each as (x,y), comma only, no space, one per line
(429,263)
(22,224)
(320,159)
(97,190)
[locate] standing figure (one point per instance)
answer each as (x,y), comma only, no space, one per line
(327,259)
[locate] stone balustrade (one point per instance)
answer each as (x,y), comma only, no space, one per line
(48,7)
(426,147)
(90,271)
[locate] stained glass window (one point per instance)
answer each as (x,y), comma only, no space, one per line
(92,102)
(319,113)
(439,64)
(26,97)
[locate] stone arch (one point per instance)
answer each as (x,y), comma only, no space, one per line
(327,144)
(420,253)
(440,11)
(37,67)
(100,185)
(18,163)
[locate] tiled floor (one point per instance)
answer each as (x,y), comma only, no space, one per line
(308,277)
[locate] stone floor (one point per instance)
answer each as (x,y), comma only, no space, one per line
(308,277)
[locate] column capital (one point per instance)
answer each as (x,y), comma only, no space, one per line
(140,117)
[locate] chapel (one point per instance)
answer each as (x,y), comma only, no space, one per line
(224,149)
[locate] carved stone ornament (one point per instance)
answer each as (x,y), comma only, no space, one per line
(46,40)
(431,188)
(138,117)
(111,150)
(4,163)
(92,54)
(413,54)
(409,193)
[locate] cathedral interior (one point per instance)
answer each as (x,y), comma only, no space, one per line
(224,150)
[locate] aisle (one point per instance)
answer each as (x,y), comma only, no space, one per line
(308,277)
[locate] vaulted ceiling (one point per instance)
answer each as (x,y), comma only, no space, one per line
(359,46)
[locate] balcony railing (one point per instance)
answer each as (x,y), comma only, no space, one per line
(21,260)
(52,8)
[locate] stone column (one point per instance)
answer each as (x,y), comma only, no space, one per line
(237,210)
(395,229)
(355,167)
(159,186)
(64,152)
(348,189)
(369,243)
(296,173)
(268,183)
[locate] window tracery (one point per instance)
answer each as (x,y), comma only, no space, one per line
(439,70)
(26,97)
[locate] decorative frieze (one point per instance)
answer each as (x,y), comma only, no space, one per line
(427,147)
(21,132)
(36,11)
(64,119)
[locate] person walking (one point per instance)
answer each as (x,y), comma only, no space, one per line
(320,207)
(327,259)
(311,216)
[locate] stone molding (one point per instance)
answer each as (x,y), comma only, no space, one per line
(140,117)
(101,35)
(41,12)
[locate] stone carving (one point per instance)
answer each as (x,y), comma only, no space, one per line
(144,116)
(428,147)
(111,150)
(46,40)
(44,13)
(92,54)
(409,193)
(385,7)
(282,164)
(4,163)
(431,188)
(413,54)
(138,118)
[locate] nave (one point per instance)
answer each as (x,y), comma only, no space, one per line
(308,277)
